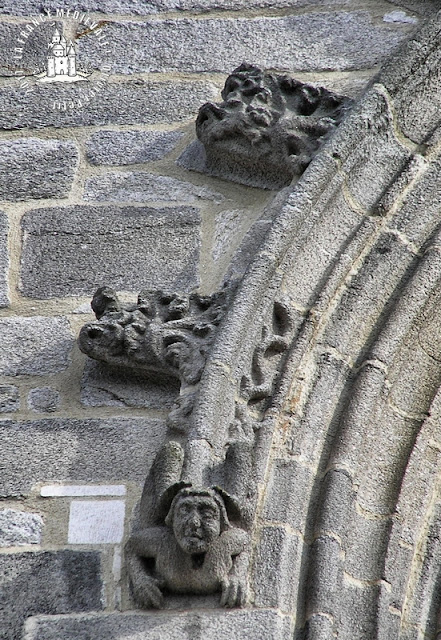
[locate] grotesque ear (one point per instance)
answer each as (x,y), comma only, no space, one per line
(105,300)
(166,499)
(231,503)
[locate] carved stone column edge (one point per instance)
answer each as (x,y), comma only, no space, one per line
(398,134)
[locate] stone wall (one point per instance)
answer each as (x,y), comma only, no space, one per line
(91,195)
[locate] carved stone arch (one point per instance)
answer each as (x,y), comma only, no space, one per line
(348,448)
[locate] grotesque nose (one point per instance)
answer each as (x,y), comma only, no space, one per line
(194,519)
(94,332)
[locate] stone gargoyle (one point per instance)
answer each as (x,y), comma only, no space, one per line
(265,131)
(163,334)
(187,539)
(196,551)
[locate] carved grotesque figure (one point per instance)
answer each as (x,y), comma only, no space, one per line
(198,551)
(266,130)
(166,334)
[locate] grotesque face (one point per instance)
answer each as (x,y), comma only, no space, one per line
(196,523)
(267,128)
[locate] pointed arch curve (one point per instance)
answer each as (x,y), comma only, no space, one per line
(349,450)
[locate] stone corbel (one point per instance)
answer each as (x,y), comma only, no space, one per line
(191,535)
(265,131)
(163,335)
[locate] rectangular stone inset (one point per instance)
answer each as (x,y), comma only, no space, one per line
(73,250)
(251,624)
(141,186)
(75,491)
(51,582)
(4,260)
(96,522)
(34,168)
(72,451)
(19,528)
(36,345)
(330,40)
(133,102)
(104,385)
(130,147)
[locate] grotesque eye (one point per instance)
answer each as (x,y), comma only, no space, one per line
(208,513)
(232,85)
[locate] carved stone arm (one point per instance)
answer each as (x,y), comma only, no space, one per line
(146,588)
(234,586)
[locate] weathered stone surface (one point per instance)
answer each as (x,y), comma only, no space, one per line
(371,155)
(366,546)
(412,388)
(96,521)
(424,606)
(19,527)
(247,249)
(31,55)
(319,627)
(130,147)
(334,505)
(4,260)
(228,224)
(349,83)
(330,378)
(338,225)
(106,386)
(413,74)
(358,611)
(9,398)
(133,102)
(385,452)
(31,7)
(34,346)
(266,130)
(282,503)
(211,625)
(69,251)
(353,41)
(277,568)
(76,451)
(44,399)
(416,494)
(34,168)
(145,187)
(47,582)
(326,576)
(417,219)
(365,390)
(387,619)
(381,270)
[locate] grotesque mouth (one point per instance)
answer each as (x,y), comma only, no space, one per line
(194,536)
(209,112)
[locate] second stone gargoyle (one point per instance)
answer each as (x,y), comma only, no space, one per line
(265,131)
(196,551)
(163,334)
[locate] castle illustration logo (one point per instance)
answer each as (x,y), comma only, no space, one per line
(61,64)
